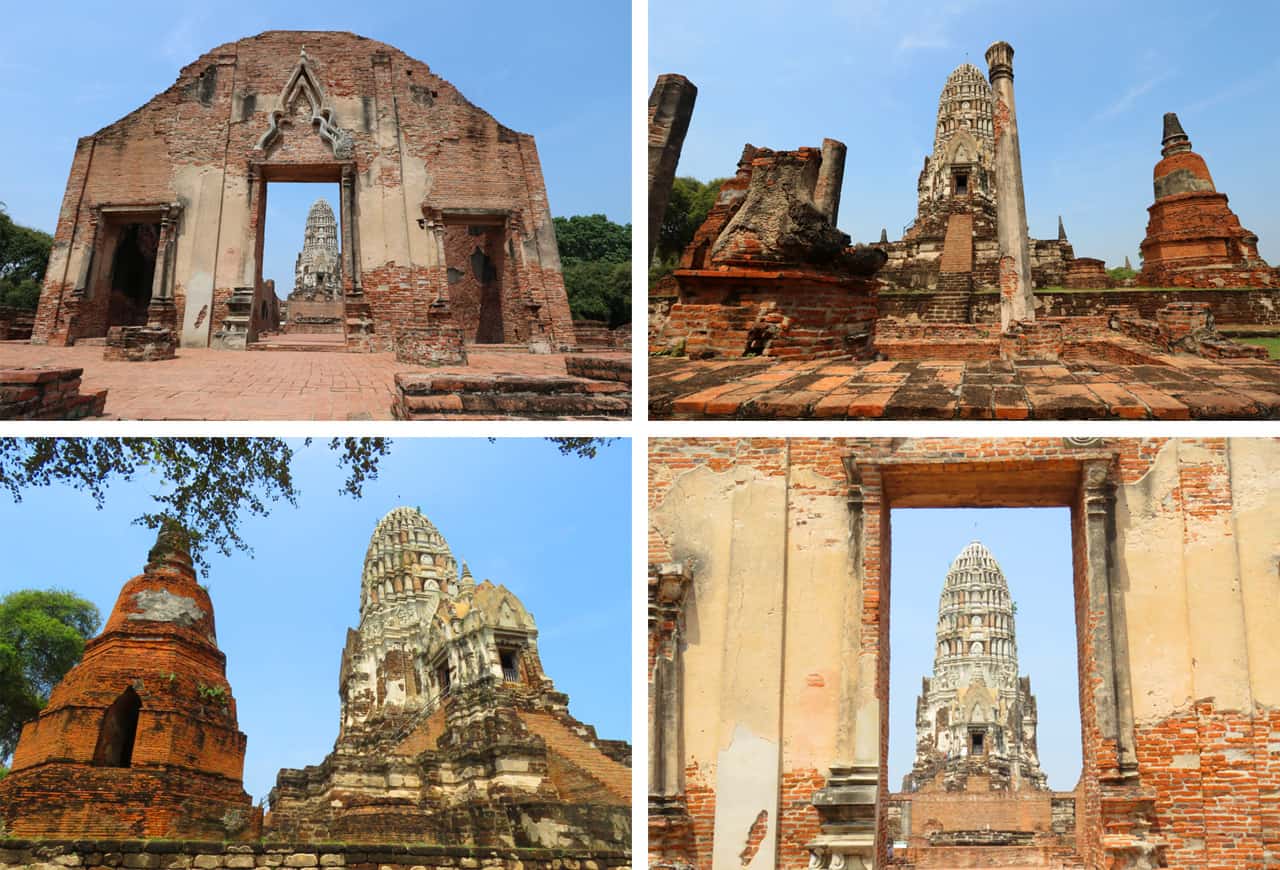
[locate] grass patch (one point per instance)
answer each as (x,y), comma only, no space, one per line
(1271,344)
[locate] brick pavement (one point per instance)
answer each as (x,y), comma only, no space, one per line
(1183,388)
(204,384)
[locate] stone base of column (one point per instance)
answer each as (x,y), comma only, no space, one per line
(162,314)
(358,323)
(1032,341)
(670,833)
(847,818)
(1129,838)
(234,333)
(140,344)
(539,342)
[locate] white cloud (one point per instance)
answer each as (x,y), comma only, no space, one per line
(1130,96)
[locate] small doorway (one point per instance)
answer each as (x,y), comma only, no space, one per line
(119,730)
(133,270)
(961,185)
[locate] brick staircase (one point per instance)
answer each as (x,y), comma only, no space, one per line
(957,249)
(580,771)
(950,304)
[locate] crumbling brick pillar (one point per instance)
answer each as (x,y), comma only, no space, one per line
(670,109)
(826,194)
(1017,303)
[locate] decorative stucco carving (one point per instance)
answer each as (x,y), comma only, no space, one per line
(303,82)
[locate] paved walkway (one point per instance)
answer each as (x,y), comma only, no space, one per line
(1187,387)
(203,384)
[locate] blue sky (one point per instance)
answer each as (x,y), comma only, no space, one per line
(1092,81)
(287,208)
(1033,548)
(555,530)
(69,69)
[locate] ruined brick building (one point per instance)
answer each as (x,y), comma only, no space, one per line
(951,246)
(451,732)
(444,223)
(139,740)
(769,653)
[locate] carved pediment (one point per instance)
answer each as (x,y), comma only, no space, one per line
(303,85)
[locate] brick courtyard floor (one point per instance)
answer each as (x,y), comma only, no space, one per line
(1185,387)
(203,384)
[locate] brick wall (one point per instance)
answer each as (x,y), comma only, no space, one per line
(786,314)
(24,854)
(197,143)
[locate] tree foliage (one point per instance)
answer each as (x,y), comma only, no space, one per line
(24,255)
(687,208)
(595,256)
(42,634)
(207,484)
(585,448)
(593,237)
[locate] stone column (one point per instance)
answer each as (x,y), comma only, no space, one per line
(1017,303)
(347,206)
(670,108)
(162,312)
(826,193)
(669,586)
(1113,699)
(847,804)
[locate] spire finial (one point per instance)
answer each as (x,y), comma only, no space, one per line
(1175,138)
(172,547)
(1062,231)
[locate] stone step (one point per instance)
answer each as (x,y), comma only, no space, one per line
(278,345)
(464,395)
(498,348)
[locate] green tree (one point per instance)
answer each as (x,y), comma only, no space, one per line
(690,202)
(595,257)
(42,634)
(598,290)
(24,256)
(593,237)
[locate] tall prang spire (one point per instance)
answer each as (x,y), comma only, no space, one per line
(975,715)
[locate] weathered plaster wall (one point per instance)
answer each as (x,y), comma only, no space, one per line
(418,148)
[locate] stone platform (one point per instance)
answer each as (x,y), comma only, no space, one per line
(1166,387)
(206,384)
(47,394)
(459,396)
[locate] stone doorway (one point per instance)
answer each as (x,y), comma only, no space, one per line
(984,717)
(1082,483)
(297,209)
(133,269)
(302,262)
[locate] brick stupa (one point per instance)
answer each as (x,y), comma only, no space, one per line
(140,738)
(1193,237)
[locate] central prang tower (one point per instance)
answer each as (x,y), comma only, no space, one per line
(976,718)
